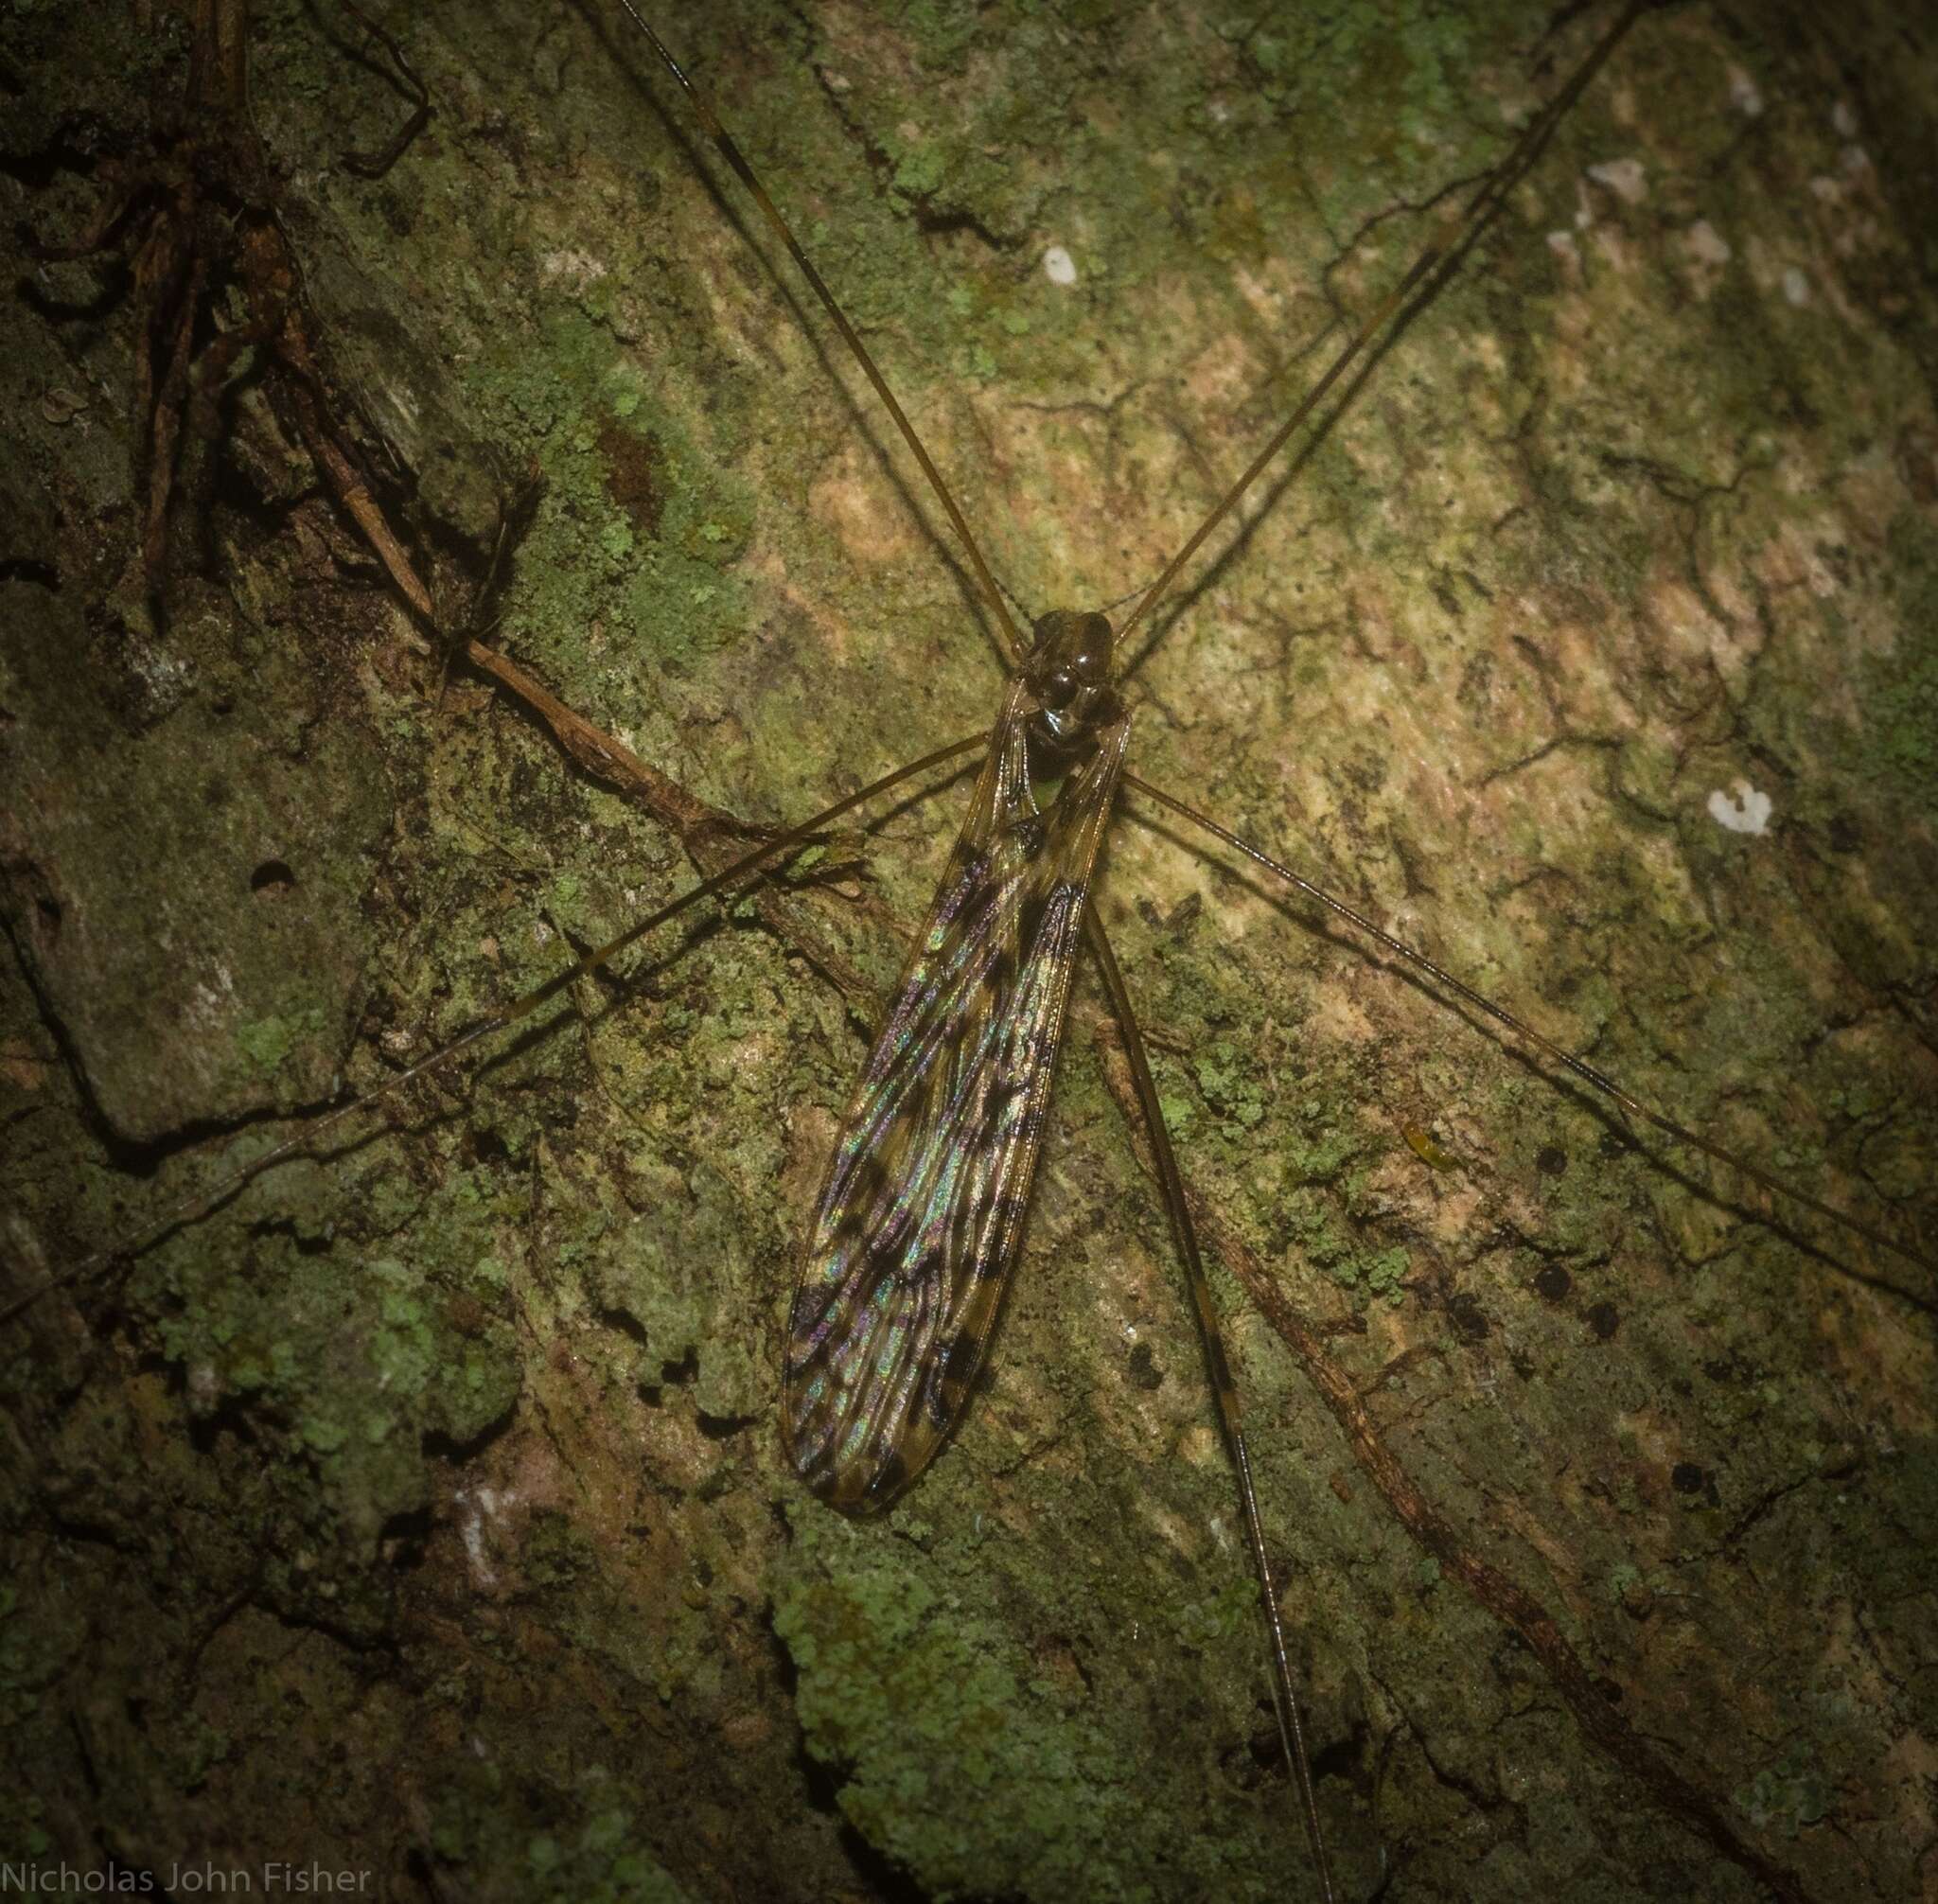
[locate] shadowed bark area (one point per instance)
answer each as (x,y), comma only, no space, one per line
(421,1511)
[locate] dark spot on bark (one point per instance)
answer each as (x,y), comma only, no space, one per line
(1604,1318)
(1685,1477)
(632,475)
(1551,1160)
(487,1147)
(1469,1317)
(273,879)
(1144,1370)
(401,1541)
(1917,462)
(1554,1283)
(395,214)
(465,1313)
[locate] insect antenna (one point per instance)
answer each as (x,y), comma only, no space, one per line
(1435,265)
(500,1019)
(1578,1067)
(1218,1364)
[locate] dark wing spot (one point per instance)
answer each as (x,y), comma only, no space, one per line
(960,1362)
(1001,976)
(990,1265)
(927,1268)
(865,1187)
(1030,917)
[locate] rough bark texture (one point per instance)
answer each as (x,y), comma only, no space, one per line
(421,1510)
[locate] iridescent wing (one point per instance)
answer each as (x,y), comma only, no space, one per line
(922,1217)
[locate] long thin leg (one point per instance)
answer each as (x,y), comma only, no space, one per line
(1580,1067)
(374,164)
(502,1019)
(703,108)
(1435,263)
(1218,1369)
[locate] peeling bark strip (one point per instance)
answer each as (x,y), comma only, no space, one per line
(422,1510)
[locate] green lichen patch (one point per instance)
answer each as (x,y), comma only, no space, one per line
(975,1767)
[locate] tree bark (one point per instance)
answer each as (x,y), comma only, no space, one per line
(421,1513)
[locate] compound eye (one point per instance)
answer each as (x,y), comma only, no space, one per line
(1092,661)
(1058,691)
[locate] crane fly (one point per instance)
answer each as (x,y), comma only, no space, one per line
(1214,1077)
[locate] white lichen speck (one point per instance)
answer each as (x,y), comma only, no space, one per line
(1743,809)
(471,1531)
(573,267)
(1708,244)
(475,1507)
(1059,267)
(1624,177)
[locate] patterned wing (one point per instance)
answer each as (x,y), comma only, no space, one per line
(922,1217)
